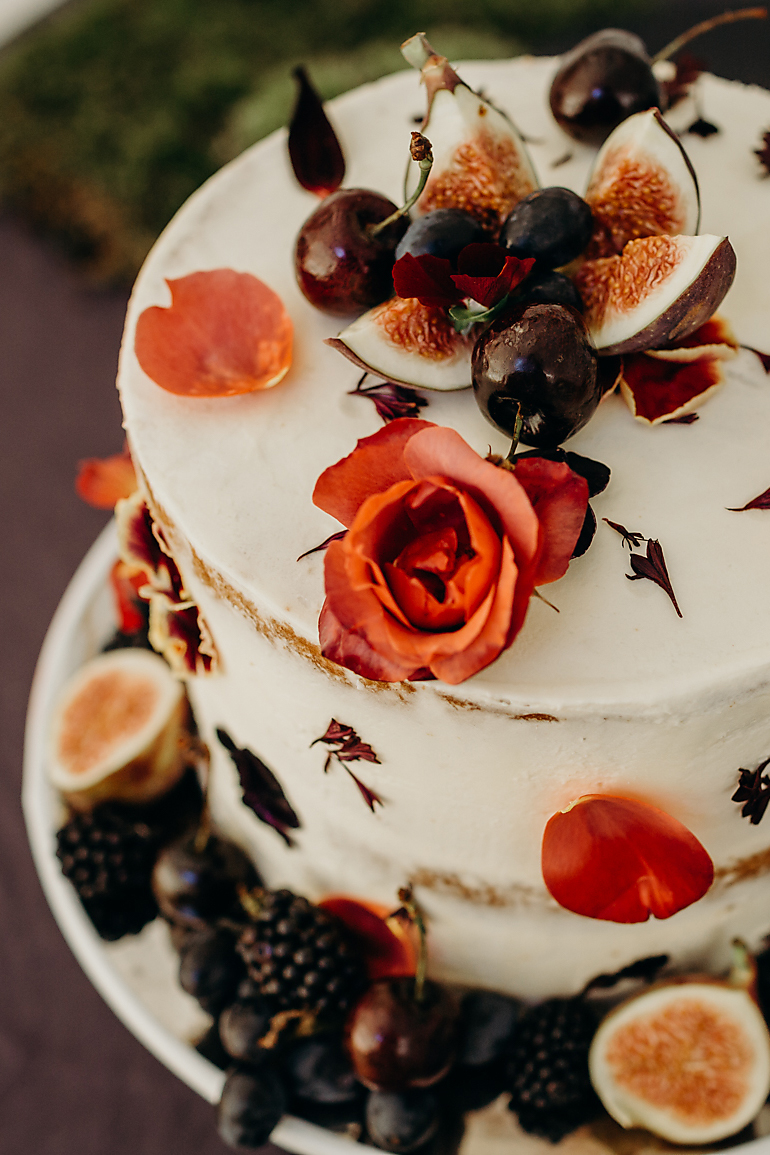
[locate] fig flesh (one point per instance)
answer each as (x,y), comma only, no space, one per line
(601,81)
(117,730)
(657,291)
(642,185)
(480,163)
(409,343)
(688,1059)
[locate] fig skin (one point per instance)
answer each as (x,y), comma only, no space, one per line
(542,357)
(603,80)
(340,267)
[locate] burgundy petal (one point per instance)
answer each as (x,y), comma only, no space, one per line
(427,278)
(314,151)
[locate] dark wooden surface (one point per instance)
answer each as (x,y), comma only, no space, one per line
(73,1081)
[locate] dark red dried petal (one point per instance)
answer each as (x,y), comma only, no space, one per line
(760,502)
(427,278)
(487,273)
(656,390)
(387,945)
(314,150)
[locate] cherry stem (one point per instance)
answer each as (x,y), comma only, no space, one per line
(517,426)
(706,26)
(422,152)
(415,915)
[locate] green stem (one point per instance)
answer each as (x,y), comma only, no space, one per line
(425,162)
(706,26)
(415,916)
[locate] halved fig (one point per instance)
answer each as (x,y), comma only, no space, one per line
(642,185)
(659,290)
(118,729)
(688,1059)
(480,163)
(409,343)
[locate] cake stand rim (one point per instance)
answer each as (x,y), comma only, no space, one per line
(39,805)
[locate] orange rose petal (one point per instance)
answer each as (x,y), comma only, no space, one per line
(442,451)
(103,481)
(621,860)
(713,340)
(559,498)
(389,949)
(224,333)
(375,464)
(657,390)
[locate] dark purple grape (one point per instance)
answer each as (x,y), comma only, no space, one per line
(195,885)
(487,1023)
(402,1121)
(553,225)
(539,360)
(550,288)
(471,1088)
(442,233)
(341,268)
(242,1025)
(252,1104)
(210,969)
(601,81)
(319,1071)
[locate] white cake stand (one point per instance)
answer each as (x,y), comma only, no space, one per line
(137,976)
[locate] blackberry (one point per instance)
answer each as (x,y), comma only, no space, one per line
(300,956)
(108,857)
(550,1086)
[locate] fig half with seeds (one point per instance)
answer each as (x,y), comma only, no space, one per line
(601,81)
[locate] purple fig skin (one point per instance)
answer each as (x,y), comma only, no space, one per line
(340,267)
(689,311)
(394,1042)
(603,80)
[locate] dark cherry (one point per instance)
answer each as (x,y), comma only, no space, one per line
(601,81)
(210,969)
(442,233)
(551,288)
(553,225)
(195,885)
(402,1121)
(341,268)
(396,1042)
(252,1103)
(539,359)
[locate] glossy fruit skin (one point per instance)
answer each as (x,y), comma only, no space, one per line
(340,268)
(541,357)
(441,233)
(319,1071)
(394,1042)
(242,1025)
(252,1103)
(601,81)
(402,1121)
(553,225)
(210,969)
(194,886)
(551,288)
(487,1024)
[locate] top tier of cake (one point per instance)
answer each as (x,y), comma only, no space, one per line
(236,475)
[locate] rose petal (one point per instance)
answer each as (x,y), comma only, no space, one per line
(375,464)
(388,948)
(103,481)
(714,339)
(559,497)
(314,150)
(494,282)
(224,333)
(657,390)
(126,583)
(622,860)
(441,451)
(427,278)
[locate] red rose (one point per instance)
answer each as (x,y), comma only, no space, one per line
(442,553)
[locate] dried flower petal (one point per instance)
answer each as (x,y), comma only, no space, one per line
(103,481)
(387,945)
(714,339)
(703,128)
(314,150)
(427,278)
(688,69)
(262,792)
(760,502)
(764,153)
(653,567)
(487,274)
(391,400)
(224,333)
(656,390)
(345,745)
(622,860)
(126,582)
(630,537)
(338,536)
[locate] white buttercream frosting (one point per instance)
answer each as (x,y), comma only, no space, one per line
(638,702)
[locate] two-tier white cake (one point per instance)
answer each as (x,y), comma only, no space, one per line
(614,694)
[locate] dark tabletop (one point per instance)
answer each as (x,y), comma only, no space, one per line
(73,1081)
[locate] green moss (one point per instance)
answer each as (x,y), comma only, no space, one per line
(114,111)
